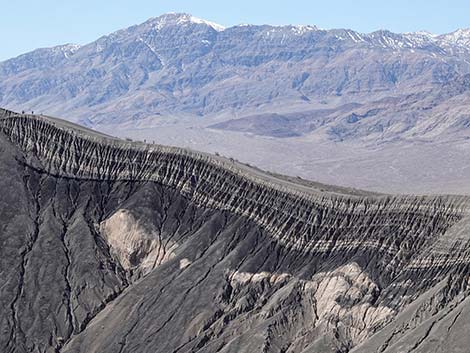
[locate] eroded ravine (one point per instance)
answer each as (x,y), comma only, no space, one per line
(207,254)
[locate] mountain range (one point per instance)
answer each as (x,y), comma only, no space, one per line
(269,95)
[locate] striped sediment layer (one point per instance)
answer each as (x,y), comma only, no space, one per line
(304,219)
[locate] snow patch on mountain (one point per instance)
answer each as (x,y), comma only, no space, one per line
(184,19)
(68,49)
(460,37)
(302,29)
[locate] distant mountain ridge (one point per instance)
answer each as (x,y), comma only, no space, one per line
(179,64)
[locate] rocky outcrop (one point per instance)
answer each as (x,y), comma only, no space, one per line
(136,247)
(193,252)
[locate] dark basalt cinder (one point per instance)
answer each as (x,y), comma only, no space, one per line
(114,246)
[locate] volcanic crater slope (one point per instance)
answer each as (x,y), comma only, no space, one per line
(116,246)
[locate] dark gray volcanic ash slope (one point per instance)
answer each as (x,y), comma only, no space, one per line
(113,246)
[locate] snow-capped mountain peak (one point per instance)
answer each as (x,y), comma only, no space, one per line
(302,29)
(184,19)
(459,37)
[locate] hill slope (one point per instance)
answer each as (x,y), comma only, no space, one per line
(113,246)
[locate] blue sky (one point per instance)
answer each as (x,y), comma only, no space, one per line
(30,24)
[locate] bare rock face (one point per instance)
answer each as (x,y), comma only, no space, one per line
(134,246)
(113,246)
